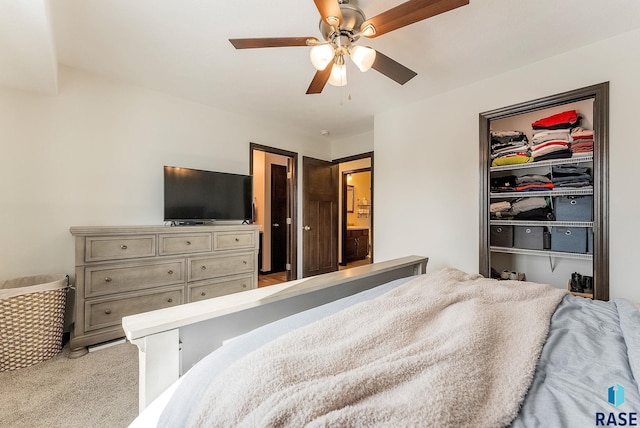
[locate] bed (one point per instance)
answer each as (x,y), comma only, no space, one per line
(415,348)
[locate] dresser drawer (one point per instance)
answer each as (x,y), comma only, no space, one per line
(181,244)
(119,247)
(234,240)
(220,287)
(212,267)
(101,280)
(105,312)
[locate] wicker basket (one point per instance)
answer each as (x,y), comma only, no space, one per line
(31,319)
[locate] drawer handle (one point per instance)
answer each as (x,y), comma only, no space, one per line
(107,311)
(203,294)
(170,272)
(124,247)
(244,285)
(188,242)
(107,279)
(244,262)
(169,300)
(203,267)
(573,202)
(237,239)
(568,232)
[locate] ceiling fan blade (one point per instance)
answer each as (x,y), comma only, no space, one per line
(320,80)
(392,69)
(407,13)
(272,42)
(330,12)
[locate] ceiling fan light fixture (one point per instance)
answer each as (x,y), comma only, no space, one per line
(333,21)
(368,31)
(363,57)
(338,75)
(321,56)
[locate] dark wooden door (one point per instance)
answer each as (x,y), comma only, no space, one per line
(278,218)
(319,217)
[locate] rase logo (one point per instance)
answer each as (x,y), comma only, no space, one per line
(615,397)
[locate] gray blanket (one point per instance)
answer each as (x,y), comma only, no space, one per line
(592,346)
(448,347)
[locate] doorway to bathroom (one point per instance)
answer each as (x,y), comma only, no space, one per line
(356,219)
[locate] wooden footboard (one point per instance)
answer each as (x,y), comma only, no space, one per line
(172,340)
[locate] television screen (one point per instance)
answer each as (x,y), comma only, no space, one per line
(192,195)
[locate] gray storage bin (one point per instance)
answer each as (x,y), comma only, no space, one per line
(528,237)
(569,239)
(501,236)
(573,208)
(590,240)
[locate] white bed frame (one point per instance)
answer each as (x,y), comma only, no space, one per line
(172,340)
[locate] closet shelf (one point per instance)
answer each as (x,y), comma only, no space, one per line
(510,250)
(541,223)
(530,194)
(565,161)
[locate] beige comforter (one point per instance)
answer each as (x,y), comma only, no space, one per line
(445,349)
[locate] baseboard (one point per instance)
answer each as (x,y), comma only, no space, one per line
(104,345)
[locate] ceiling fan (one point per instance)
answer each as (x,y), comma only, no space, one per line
(341,25)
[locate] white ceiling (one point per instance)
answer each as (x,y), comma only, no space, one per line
(181,47)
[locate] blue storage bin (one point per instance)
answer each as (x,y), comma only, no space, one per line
(573,208)
(569,239)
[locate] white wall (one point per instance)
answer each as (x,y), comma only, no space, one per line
(93,155)
(427,180)
(352,145)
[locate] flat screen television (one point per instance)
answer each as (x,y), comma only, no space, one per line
(193,196)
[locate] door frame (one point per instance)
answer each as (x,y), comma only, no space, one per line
(292,203)
(343,226)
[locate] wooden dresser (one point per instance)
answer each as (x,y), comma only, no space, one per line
(127,270)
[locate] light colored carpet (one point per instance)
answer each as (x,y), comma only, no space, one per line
(99,389)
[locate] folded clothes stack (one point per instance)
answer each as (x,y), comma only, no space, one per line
(581,141)
(509,148)
(506,183)
(534,208)
(533,182)
(553,149)
(571,176)
(501,210)
(552,136)
(565,120)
